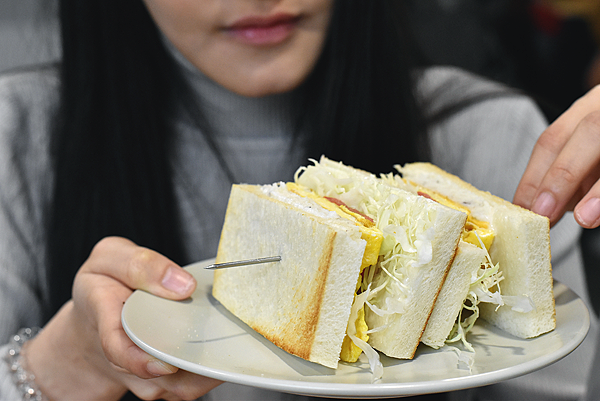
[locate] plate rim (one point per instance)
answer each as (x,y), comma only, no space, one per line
(365,390)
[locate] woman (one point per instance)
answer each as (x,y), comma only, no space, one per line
(116,165)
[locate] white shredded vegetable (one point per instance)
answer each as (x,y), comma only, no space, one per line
(466,359)
(372,355)
(405,221)
(488,277)
(519,303)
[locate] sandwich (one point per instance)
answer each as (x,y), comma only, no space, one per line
(372,245)
(420,242)
(381,263)
(513,287)
(302,303)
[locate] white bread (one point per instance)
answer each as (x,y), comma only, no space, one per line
(521,247)
(454,291)
(398,335)
(301,304)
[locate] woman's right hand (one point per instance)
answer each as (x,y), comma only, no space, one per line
(564,169)
(83,353)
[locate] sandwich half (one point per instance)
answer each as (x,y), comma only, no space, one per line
(420,238)
(362,263)
(302,303)
(521,300)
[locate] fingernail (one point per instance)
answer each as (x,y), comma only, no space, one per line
(589,213)
(178,280)
(159,368)
(544,204)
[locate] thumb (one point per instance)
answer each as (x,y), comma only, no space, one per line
(140,268)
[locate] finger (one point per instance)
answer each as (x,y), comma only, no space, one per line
(569,174)
(140,268)
(129,358)
(181,386)
(549,146)
(587,212)
(544,153)
(102,308)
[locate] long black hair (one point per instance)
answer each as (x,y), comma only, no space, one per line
(359,105)
(121,91)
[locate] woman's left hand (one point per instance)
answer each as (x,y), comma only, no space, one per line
(83,353)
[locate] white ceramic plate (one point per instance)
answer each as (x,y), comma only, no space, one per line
(199,335)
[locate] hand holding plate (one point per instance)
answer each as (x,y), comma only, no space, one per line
(83,353)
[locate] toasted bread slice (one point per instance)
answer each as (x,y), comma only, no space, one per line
(454,291)
(521,247)
(301,304)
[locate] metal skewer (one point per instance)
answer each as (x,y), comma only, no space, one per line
(243,262)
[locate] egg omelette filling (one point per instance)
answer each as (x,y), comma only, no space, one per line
(476,231)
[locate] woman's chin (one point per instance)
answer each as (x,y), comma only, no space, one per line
(261,87)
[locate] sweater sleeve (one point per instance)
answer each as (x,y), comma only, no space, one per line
(24,189)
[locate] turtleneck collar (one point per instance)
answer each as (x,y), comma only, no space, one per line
(233,115)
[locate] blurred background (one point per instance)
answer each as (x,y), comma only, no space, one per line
(547,48)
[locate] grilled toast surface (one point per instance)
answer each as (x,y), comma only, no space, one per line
(301,304)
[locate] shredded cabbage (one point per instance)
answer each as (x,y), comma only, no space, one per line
(372,355)
(488,277)
(406,224)
(466,359)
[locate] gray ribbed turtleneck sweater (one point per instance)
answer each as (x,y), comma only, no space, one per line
(253,135)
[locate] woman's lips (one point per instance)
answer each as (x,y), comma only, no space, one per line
(263,31)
